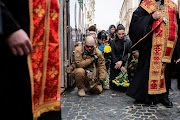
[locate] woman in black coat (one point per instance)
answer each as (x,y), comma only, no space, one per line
(120,46)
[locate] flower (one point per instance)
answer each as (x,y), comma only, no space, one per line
(122,80)
(101,47)
(107,49)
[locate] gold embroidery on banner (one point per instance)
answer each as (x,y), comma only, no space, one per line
(171,44)
(39,11)
(152,6)
(54,14)
(60,73)
(166,59)
(158,58)
(53,72)
(156,66)
(38,76)
(42,106)
(171,5)
(29,56)
(46,44)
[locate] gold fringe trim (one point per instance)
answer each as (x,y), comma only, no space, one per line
(46,48)
(60,73)
(29,56)
(46,108)
(157,92)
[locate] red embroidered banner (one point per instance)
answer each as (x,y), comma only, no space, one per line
(45,63)
(163,43)
(149,5)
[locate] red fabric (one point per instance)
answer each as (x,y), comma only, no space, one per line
(172,24)
(163,39)
(154,84)
(45,60)
(162,84)
(168,51)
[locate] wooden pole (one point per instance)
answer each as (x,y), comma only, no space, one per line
(65,41)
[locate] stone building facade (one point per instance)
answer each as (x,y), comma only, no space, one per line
(126,12)
(127,9)
(89,11)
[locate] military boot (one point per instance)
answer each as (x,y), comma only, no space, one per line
(81,92)
(99,89)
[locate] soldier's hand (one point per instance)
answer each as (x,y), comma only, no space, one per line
(156,15)
(94,57)
(19,43)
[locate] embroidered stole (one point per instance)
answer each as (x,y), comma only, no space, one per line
(45,63)
(163,43)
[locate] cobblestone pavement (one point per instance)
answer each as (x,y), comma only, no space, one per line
(115,105)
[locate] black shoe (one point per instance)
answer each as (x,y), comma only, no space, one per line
(147,103)
(166,102)
(151,103)
(138,102)
(178,86)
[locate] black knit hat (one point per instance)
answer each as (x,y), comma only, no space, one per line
(120,27)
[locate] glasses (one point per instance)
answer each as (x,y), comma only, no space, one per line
(89,46)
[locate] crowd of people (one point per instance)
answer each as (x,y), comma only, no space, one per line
(115,48)
(141,63)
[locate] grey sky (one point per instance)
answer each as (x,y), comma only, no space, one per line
(107,13)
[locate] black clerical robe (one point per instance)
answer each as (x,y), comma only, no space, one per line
(15,90)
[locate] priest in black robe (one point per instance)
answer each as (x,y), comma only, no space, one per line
(15,87)
(141,25)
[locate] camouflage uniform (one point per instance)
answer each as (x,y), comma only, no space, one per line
(86,62)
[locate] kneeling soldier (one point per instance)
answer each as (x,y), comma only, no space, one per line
(90,70)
